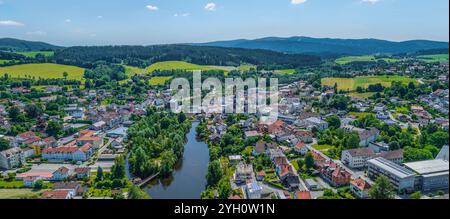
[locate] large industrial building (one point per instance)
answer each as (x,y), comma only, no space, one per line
(432,175)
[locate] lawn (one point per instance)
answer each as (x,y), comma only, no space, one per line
(434,58)
(368,58)
(43,70)
(19,193)
(322,148)
(351,84)
(11,185)
(180,65)
(361,95)
(33,54)
(159,80)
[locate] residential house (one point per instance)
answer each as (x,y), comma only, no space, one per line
(82,172)
(302,195)
(243,173)
(360,188)
(60,174)
(11,158)
(253,190)
(334,174)
(300,148)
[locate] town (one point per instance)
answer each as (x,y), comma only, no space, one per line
(110,134)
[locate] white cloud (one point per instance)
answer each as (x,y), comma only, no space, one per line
(152,7)
(370,1)
(211,6)
(11,23)
(36,33)
(182,15)
(297,2)
(68,20)
(99,17)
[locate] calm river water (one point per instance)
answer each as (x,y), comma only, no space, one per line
(189,178)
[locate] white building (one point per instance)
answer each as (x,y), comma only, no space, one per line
(253,190)
(357,158)
(11,158)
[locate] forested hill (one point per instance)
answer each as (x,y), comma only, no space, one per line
(143,56)
(320,46)
(23,45)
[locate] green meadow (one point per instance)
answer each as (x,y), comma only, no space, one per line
(131,70)
(442,58)
(159,80)
(33,54)
(367,58)
(285,71)
(43,70)
(180,65)
(364,81)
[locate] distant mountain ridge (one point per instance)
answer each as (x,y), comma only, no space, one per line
(310,45)
(24,45)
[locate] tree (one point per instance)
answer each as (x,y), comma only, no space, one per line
(309,161)
(14,113)
(99,176)
(439,139)
(334,122)
(416,195)
(33,111)
(215,172)
(38,185)
(137,193)
(181,117)
(394,145)
(224,188)
(168,161)
(65,74)
(118,169)
(351,140)
(54,128)
(4,144)
(382,189)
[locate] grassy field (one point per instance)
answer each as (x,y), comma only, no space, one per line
(44,70)
(4,61)
(367,58)
(19,193)
(131,70)
(361,95)
(285,71)
(434,58)
(159,80)
(33,54)
(322,148)
(246,67)
(364,81)
(180,65)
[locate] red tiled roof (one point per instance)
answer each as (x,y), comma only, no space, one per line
(303,195)
(361,184)
(57,194)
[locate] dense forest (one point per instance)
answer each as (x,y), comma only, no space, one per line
(157,142)
(143,56)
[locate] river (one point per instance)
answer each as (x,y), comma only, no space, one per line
(189,178)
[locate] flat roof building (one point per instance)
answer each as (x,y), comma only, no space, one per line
(402,179)
(432,174)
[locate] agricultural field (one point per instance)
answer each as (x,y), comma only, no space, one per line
(350,84)
(19,193)
(367,58)
(131,70)
(180,65)
(443,58)
(159,80)
(43,70)
(33,54)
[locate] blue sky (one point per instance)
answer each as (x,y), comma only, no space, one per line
(144,22)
